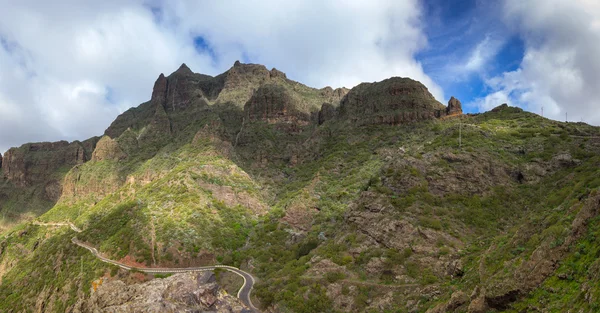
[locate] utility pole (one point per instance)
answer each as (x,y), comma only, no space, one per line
(566,117)
(460,133)
(542,111)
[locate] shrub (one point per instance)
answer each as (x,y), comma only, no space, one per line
(430,222)
(332,277)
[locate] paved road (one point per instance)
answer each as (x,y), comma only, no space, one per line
(243,293)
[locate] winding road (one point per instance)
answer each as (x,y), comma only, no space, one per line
(243,294)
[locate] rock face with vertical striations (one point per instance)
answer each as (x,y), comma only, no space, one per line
(392,101)
(35,163)
(274,104)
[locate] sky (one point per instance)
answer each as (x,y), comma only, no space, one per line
(69,67)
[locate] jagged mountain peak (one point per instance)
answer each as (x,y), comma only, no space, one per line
(184,70)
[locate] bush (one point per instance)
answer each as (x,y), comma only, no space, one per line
(430,223)
(332,277)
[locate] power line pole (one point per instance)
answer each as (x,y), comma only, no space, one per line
(542,111)
(566,117)
(460,133)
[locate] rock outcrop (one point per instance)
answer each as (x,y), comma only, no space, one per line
(327,112)
(186,292)
(107,149)
(159,92)
(36,163)
(179,92)
(454,107)
(334,95)
(392,101)
(274,104)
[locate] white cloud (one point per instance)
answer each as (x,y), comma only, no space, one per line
(492,100)
(69,67)
(339,43)
(560,70)
(482,54)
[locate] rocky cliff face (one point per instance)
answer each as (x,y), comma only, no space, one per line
(274,104)
(186,96)
(392,101)
(36,163)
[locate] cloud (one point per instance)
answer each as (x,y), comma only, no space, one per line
(70,67)
(482,54)
(560,70)
(492,100)
(339,43)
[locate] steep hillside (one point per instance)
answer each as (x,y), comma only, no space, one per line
(377,198)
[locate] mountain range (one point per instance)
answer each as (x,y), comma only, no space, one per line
(377,198)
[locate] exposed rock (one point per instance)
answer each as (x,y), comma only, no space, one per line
(393,233)
(327,112)
(136,118)
(457,300)
(454,107)
(184,70)
(321,267)
(159,92)
(299,217)
(34,163)
(180,91)
(564,160)
(274,104)
(455,268)
(241,80)
(107,149)
(478,305)
(186,292)
(392,101)
(334,95)
(277,73)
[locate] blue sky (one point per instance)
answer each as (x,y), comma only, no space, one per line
(69,67)
(455,29)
